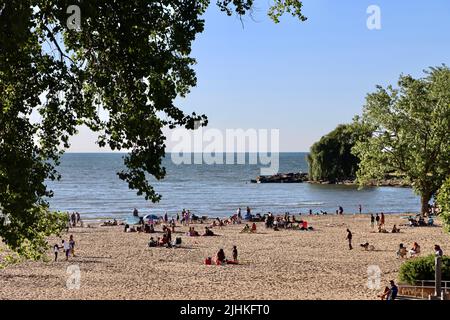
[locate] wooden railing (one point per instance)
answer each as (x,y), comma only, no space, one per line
(424,288)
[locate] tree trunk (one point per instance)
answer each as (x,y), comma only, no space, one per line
(424,199)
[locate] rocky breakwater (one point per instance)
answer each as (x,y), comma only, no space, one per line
(282,178)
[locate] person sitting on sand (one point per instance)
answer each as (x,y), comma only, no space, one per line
(164,240)
(395,229)
(422,221)
(304,226)
(246,228)
(412,222)
(220,258)
(393,291)
(192,232)
(208,232)
(152,243)
(430,221)
(253,230)
(415,250)
(401,253)
(385,294)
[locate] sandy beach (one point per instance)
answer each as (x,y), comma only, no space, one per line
(285,264)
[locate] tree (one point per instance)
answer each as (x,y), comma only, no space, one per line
(411,132)
(331,159)
(443,201)
(128,58)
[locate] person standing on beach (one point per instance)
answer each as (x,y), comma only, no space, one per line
(235,253)
(372,220)
(239,214)
(72,245)
(360,209)
(377,219)
(341,210)
(382,219)
(66,248)
(438,251)
(68,222)
(56,251)
(349,238)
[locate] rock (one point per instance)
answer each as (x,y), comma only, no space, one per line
(282,178)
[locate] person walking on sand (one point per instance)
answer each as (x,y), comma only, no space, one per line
(360,209)
(382,219)
(349,238)
(66,248)
(377,219)
(372,220)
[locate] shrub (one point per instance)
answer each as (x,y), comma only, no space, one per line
(422,268)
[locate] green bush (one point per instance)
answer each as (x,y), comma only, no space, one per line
(422,268)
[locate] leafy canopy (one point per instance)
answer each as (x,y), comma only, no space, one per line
(443,201)
(331,159)
(129,58)
(411,132)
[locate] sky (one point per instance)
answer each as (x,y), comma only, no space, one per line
(305,78)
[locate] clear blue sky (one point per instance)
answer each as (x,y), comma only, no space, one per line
(304,78)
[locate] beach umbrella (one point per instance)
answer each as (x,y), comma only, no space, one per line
(151,217)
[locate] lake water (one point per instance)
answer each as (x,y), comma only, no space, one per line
(90,186)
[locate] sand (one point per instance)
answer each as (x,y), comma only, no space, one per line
(286,264)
